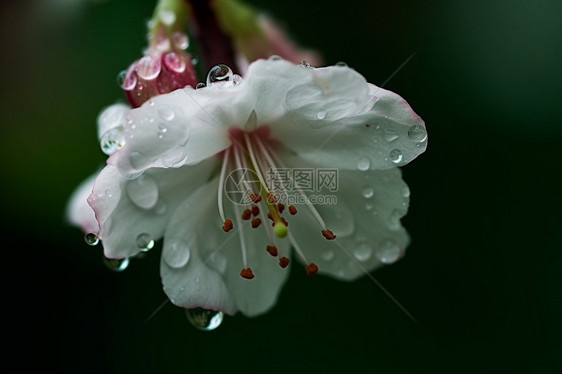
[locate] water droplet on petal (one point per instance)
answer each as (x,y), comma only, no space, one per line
(417,133)
(341,63)
(363,251)
(219,73)
(180,40)
(200,85)
(388,252)
(406,191)
(363,164)
(204,319)
(91,239)
(321,115)
(121,77)
(148,68)
(394,220)
(161,131)
(143,191)
(167,17)
(175,253)
(116,264)
(175,62)
(112,140)
(127,79)
(237,79)
(306,64)
(145,242)
(390,135)
(367,191)
(275,58)
(166,113)
(396,156)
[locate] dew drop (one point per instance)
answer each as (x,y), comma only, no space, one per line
(388,252)
(390,135)
(237,79)
(175,62)
(180,40)
(121,78)
(175,253)
(321,115)
(145,242)
(341,63)
(406,191)
(396,156)
(363,251)
(112,140)
(363,164)
(394,220)
(166,113)
(148,68)
(127,79)
(143,191)
(200,85)
(417,133)
(306,64)
(367,192)
(167,17)
(219,73)
(108,193)
(275,58)
(116,264)
(204,319)
(162,130)
(91,239)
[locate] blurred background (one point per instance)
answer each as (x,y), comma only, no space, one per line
(482,275)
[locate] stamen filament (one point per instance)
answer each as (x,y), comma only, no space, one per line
(221,183)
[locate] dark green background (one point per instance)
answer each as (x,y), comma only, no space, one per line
(482,275)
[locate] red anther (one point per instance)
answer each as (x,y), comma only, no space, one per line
(256,222)
(255,210)
(311,268)
(227,225)
(256,198)
(284,262)
(246,273)
(271,198)
(246,214)
(292,210)
(328,234)
(272,250)
(285,221)
(281,207)
(269,216)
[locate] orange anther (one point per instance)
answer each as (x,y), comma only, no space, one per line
(271,198)
(246,273)
(227,225)
(255,210)
(281,207)
(311,268)
(292,210)
(272,250)
(256,198)
(285,221)
(269,216)
(328,234)
(284,262)
(246,214)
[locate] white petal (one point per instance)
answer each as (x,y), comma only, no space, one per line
(197,229)
(388,135)
(126,208)
(78,212)
(365,219)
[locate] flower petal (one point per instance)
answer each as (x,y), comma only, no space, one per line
(195,233)
(78,212)
(365,217)
(125,209)
(388,135)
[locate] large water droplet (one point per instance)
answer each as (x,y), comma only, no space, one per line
(219,73)
(396,156)
(127,80)
(112,140)
(180,40)
(363,251)
(367,191)
(204,319)
(363,164)
(175,252)
(145,242)
(143,191)
(417,133)
(91,239)
(166,113)
(389,251)
(148,68)
(116,264)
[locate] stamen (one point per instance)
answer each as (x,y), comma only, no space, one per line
(292,210)
(221,186)
(227,225)
(281,207)
(247,273)
(255,210)
(272,250)
(269,216)
(271,198)
(311,268)
(255,197)
(256,222)
(328,234)
(254,162)
(284,262)
(246,214)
